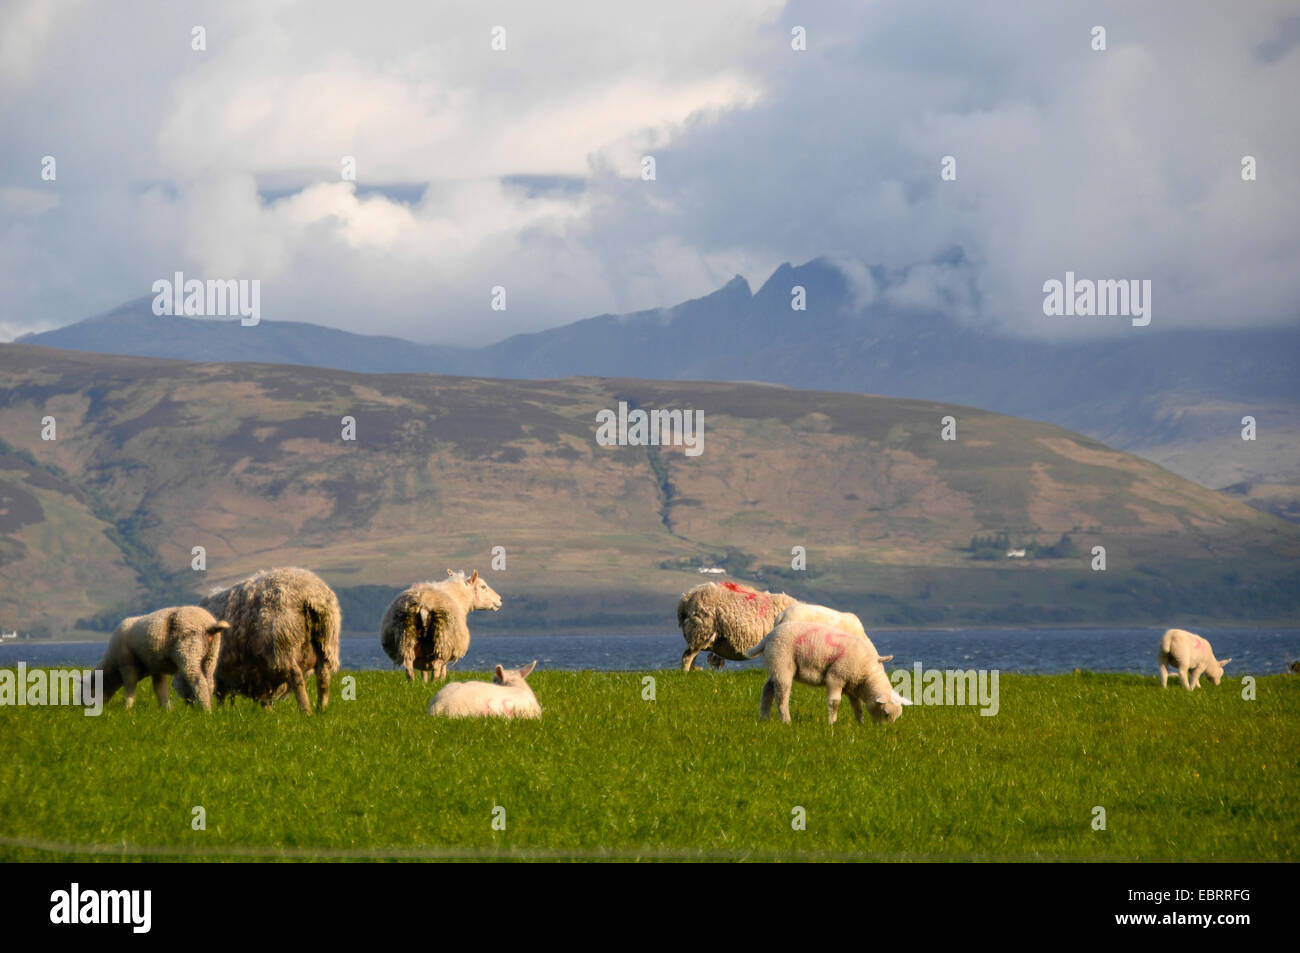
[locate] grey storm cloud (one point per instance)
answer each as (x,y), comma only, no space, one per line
(521,168)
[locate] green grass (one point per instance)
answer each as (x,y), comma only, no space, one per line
(1181,776)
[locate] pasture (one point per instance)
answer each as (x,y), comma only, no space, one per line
(692,774)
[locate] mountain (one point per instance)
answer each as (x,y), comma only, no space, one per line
(1175,397)
(152,458)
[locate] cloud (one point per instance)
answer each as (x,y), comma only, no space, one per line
(520,168)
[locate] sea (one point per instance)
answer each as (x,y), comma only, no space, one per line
(1258,651)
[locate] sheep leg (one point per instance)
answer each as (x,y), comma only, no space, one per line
(765,701)
(160,690)
(856,702)
(1164,676)
(783,700)
(1182,676)
(299,685)
(716,661)
(688,658)
(1196,676)
(833,692)
(129,678)
(323,675)
(426,674)
(408,660)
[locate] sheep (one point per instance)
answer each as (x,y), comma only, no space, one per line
(425,627)
(726,618)
(808,612)
(183,641)
(283,623)
(508,695)
(818,654)
(1185,652)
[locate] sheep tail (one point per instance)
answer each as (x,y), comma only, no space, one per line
(324,623)
(757,650)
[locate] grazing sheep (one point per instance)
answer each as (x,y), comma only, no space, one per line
(808,612)
(818,654)
(283,623)
(183,641)
(506,696)
(426,627)
(726,618)
(1186,652)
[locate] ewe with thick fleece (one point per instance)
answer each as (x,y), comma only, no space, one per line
(1186,651)
(727,619)
(426,627)
(183,641)
(809,612)
(283,623)
(506,696)
(818,654)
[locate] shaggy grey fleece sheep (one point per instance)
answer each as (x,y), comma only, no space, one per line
(183,641)
(426,627)
(726,618)
(283,623)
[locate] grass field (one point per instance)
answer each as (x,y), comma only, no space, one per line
(606,773)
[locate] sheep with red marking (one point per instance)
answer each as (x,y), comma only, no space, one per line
(727,619)
(183,641)
(817,654)
(1187,652)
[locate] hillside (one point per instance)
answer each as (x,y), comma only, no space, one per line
(1176,397)
(155,457)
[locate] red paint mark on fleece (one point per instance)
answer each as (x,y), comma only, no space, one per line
(735,587)
(831,637)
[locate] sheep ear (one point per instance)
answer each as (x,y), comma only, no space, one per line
(528,668)
(500,673)
(899,699)
(882,700)
(886,658)
(474,578)
(451,572)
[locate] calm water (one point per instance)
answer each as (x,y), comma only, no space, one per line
(1257,651)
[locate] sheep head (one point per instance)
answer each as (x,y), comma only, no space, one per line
(482,596)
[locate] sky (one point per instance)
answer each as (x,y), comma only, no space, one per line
(522,167)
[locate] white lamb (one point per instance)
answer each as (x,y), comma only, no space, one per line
(817,654)
(506,696)
(1188,652)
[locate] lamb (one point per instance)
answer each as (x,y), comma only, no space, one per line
(283,623)
(426,627)
(508,695)
(808,612)
(183,641)
(818,654)
(726,618)
(1186,652)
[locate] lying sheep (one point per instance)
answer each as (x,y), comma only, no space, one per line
(283,624)
(726,618)
(1186,652)
(808,612)
(183,641)
(426,627)
(506,696)
(818,654)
